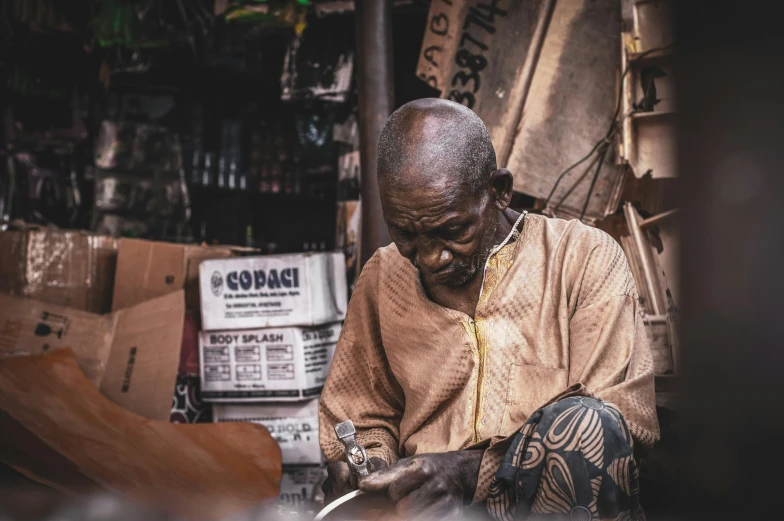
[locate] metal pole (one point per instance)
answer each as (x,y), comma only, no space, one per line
(376,101)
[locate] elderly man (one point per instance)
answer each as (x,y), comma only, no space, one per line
(488,357)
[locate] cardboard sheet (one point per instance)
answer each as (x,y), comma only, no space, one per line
(131,355)
(149,269)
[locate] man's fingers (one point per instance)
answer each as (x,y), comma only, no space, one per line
(423,505)
(413,503)
(404,485)
(338,481)
(406,471)
(445,509)
(340,472)
(377,464)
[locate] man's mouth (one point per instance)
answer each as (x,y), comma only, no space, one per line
(445,274)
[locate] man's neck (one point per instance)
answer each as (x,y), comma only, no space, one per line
(505,224)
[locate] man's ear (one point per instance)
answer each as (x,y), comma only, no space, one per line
(501,183)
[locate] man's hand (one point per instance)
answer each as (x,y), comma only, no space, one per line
(428,486)
(340,481)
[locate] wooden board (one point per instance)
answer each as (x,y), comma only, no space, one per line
(565,105)
(30,456)
(569,108)
(474,52)
(659,342)
(202,471)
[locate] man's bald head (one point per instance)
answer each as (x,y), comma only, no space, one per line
(434,140)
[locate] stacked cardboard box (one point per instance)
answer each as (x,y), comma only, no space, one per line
(148,269)
(269,329)
(65,267)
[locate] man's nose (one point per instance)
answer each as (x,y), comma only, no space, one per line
(431,256)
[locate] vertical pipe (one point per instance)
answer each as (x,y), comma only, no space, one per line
(376,101)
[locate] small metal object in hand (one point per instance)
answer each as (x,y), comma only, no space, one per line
(356,456)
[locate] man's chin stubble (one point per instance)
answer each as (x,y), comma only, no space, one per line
(462,278)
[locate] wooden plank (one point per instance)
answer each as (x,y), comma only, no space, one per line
(659,341)
(480,53)
(474,52)
(569,108)
(632,257)
(669,257)
(444,25)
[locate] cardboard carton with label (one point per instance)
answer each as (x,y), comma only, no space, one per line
(149,269)
(293,425)
(131,355)
(66,267)
(266,364)
(273,291)
(299,487)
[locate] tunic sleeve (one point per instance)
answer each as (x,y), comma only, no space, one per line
(360,386)
(608,346)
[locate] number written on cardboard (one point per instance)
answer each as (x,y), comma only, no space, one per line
(479,22)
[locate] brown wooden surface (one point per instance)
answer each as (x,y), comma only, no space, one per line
(30,456)
(132,355)
(569,108)
(451,27)
(199,471)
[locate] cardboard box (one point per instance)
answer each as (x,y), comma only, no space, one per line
(130,355)
(299,488)
(68,268)
(305,289)
(149,269)
(293,425)
(281,364)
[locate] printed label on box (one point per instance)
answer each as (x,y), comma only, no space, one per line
(298,486)
(293,425)
(272,291)
(248,353)
(280,353)
(266,364)
(214,355)
(217,373)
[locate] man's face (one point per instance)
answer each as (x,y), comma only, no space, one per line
(444,229)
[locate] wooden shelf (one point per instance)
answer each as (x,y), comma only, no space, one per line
(637,58)
(652,114)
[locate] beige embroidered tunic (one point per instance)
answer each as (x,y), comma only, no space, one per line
(558,309)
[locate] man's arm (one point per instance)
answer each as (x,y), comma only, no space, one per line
(609,354)
(360,386)
(608,347)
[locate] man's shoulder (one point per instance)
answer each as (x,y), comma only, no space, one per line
(386,257)
(587,257)
(387,262)
(570,236)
